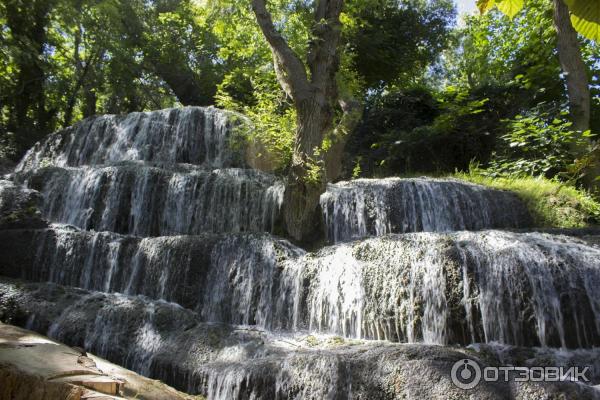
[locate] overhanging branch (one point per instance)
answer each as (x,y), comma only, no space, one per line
(291,70)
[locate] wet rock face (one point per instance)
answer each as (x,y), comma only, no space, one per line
(231,279)
(154,199)
(499,354)
(19,207)
(374,207)
(157,200)
(460,288)
(162,208)
(168,342)
(192,135)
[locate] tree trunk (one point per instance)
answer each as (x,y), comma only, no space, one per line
(353,111)
(576,75)
(575,70)
(314,98)
(305,180)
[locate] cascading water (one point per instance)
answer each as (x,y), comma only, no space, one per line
(168,342)
(192,135)
(148,200)
(374,207)
(164,213)
(489,286)
(241,279)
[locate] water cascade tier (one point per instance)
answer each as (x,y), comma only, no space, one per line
(153,200)
(167,342)
(190,135)
(149,240)
(238,279)
(374,207)
(525,289)
(149,199)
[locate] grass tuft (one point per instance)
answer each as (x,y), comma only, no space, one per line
(553,204)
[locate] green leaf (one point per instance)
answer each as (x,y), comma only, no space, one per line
(511,7)
(590,30)
(587,134)
(485,5)
(585,17)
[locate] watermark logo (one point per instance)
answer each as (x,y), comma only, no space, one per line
(467,374)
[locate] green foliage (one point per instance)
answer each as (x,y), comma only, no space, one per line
(392,41)
(493,50)
(552,204)
(421,130)
(273,118)
(429,107)
(585,14)
(454,104)
(384,41)
(492,90)
(539,142)
(585,17)
(250,86)
(63,60)
(508,7)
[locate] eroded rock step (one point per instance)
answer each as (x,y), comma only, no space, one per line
(20,207)
(526,289)
(194,135)
(374,207)
(165,341)
(238,279)
(149,199)
(33,367)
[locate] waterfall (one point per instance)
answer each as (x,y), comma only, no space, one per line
(253,284)
(158,252)
(164,340)
(153,199)
(491,286)
(172,172)
(374,207)
(242,279)
(146,200)
(192,135)
(170,343)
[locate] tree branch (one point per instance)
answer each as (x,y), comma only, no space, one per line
(291,72)
(322,53)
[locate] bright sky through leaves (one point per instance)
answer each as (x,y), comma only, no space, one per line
(466,6)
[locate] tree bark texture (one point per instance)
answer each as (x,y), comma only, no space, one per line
(576,75)
(575,70)
(313,90)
